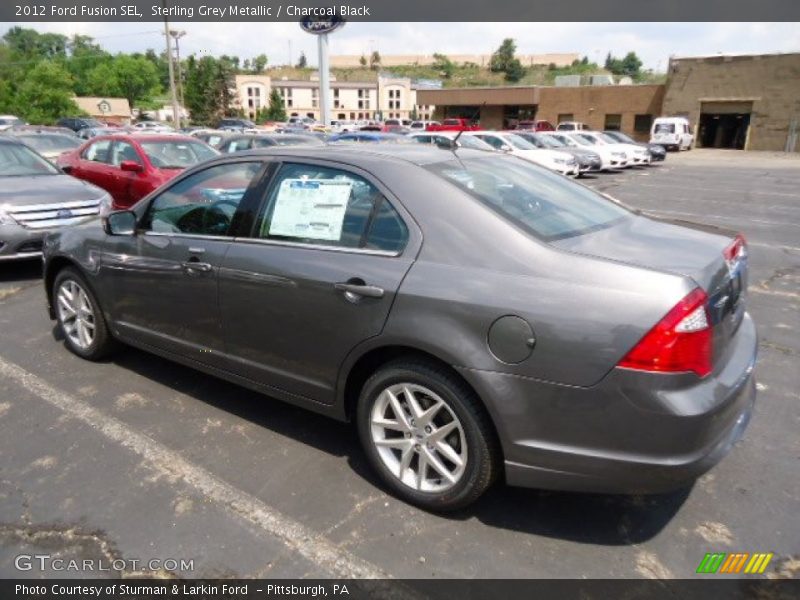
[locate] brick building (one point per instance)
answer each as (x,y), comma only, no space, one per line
(744,102)
(749,102)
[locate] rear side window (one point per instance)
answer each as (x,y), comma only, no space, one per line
(310,204)
(541,202)
(98,152)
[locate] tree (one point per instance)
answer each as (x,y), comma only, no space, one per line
(375,60)
(302,62)
(46,94)
(29,44)
(630,65)
(133,78)
(444,65)
(208,90)
(362,61)
(504,61)
(275,111)
(258,63)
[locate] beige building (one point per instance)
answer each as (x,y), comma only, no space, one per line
(391,98)
(402,60)
(109,110)
(747,102)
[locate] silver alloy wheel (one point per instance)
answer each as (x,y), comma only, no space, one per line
(418,437)
(75,313)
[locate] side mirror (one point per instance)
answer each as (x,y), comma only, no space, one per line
(121,222)
(131,166)
(505,148)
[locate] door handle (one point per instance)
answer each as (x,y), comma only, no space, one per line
(194,265)
(352,291)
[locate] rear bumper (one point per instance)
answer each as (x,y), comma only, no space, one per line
(633,432)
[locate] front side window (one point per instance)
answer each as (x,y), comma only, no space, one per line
(203,203)
(541,202)
(317,205)
(123,151)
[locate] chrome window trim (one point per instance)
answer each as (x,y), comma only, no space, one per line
(191,236)
(306,246)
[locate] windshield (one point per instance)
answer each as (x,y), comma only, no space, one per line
(539,201)
(665,128)
(50,143)
(621,137)
(585,140)
(17,160)
(564,140)
(176,154)
(543,141)
(519,142)
(607,138)
(469,141)
(297,140)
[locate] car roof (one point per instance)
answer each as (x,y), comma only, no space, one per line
(140,137)
(367,154)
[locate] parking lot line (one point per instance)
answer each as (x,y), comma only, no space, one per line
(322,552)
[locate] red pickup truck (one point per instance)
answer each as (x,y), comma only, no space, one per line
(458,124)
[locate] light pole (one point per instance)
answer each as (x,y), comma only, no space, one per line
(175,112)
(177,35)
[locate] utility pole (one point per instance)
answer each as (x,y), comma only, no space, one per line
(175,112)
(177,35)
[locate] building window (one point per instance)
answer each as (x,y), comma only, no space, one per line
(314,97)
(286,93)
(253,99)
(363,99)
(613,122)
(336,103)
(642,123)
(566,117)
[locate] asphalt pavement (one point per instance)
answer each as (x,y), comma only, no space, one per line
(138,459)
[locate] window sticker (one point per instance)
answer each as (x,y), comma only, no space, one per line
(311,208)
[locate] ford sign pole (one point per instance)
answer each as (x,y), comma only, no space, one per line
(324,80)
(321,29)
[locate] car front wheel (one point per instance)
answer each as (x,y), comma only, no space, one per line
(79,316)
(427,435)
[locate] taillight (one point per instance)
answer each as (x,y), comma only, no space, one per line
(679,342)
(736,251)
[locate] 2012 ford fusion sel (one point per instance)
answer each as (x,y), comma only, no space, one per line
(477,316)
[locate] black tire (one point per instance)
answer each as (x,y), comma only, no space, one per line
(103,344)
(483,453)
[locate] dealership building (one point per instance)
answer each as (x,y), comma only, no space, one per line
(749,102)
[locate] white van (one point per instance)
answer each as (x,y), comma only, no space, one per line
(674,133)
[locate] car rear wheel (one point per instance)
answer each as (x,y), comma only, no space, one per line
(79,316)
(426,434)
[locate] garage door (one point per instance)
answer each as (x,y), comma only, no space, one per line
(724,124)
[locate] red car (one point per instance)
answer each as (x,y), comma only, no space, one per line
(130,166)
(535,126)
(456,124)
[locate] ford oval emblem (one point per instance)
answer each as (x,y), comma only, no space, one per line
(318,27)
(64,213)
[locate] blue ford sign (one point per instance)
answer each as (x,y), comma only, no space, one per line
(318,27)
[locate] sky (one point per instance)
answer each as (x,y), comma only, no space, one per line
(653,42)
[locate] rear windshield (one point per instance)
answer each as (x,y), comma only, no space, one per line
(539,201)
(176,154)
(665,128)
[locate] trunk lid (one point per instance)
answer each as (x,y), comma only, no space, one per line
(683,248)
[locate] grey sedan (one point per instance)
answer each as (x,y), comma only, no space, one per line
(36,197)
(478,317)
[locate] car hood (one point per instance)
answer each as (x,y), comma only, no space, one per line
(43,189)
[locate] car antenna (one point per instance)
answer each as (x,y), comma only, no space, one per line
(474,118)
